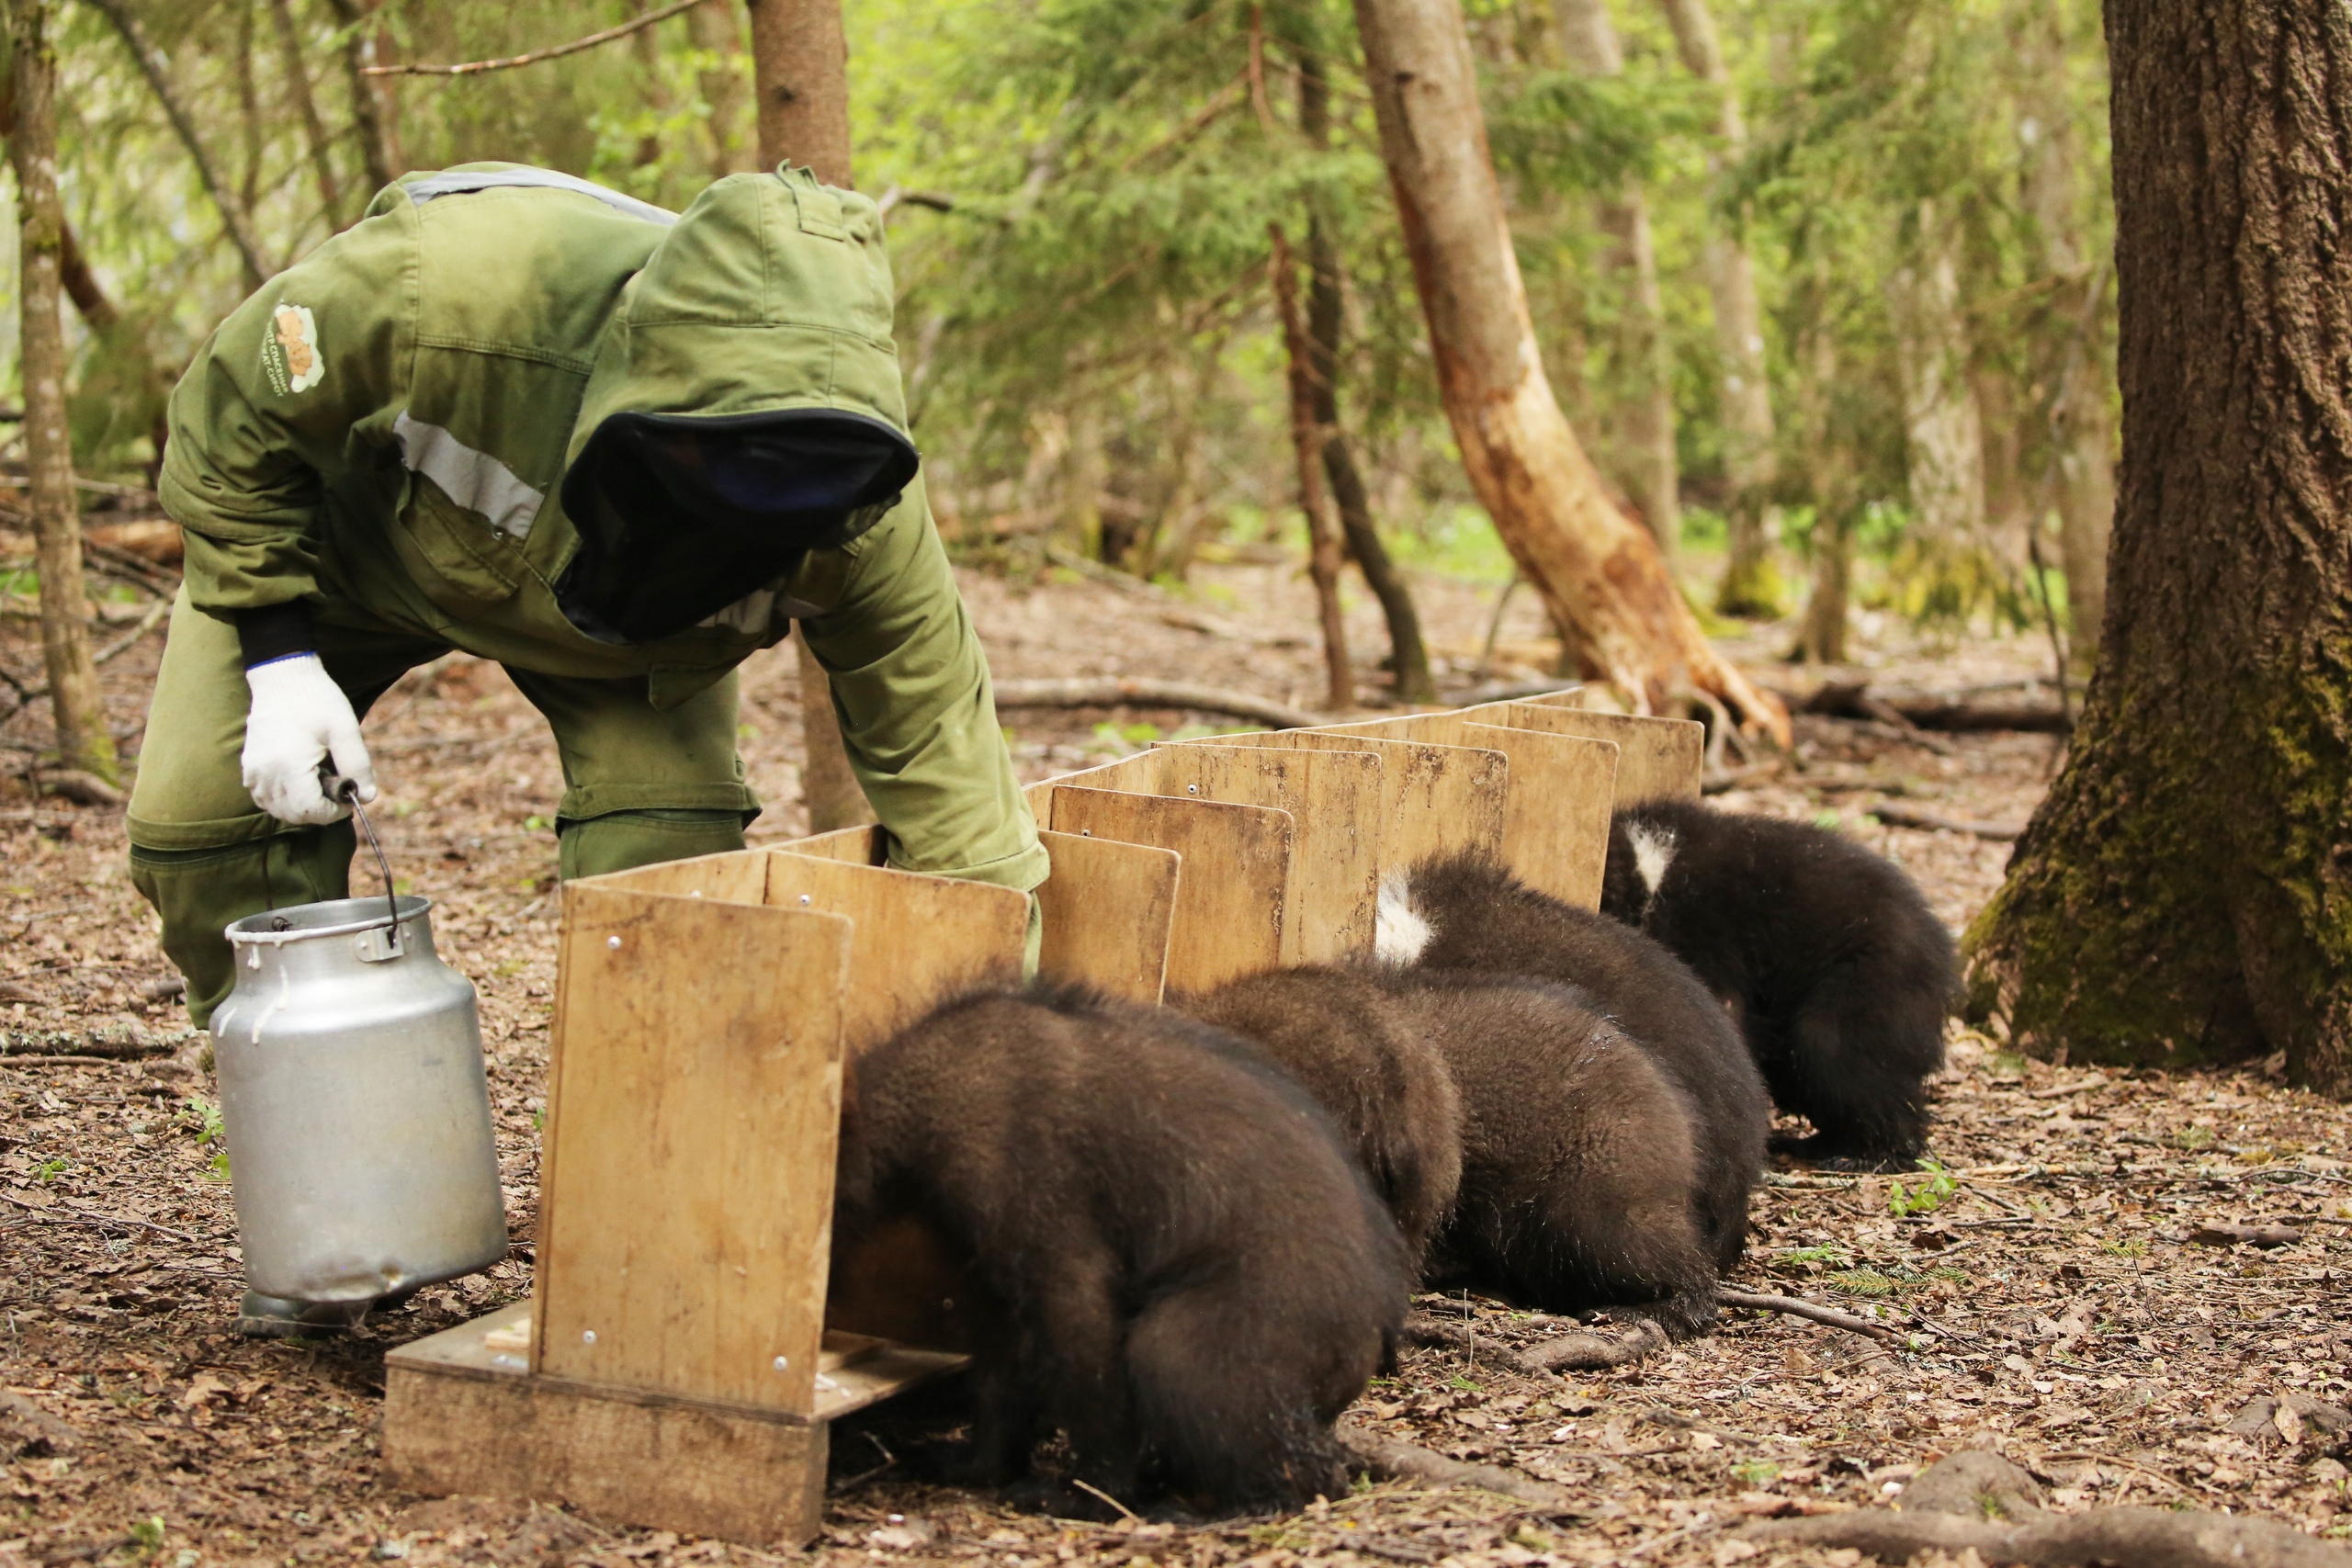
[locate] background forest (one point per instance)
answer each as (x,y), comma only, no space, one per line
(1821,283)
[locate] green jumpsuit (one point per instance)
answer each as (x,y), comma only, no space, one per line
(381,433)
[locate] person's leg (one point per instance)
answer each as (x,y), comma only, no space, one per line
(642,785)
(201,853)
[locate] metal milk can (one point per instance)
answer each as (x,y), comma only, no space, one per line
(353,1095)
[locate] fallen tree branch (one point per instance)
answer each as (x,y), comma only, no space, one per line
(1927,821)
(1852,700)
(57,1044)
(1595,1352)
(28,696)
(1810,1312)
(2214,1233)
(65,1213)
(2145,1537)
(1116,692)
(1392,1459)
(508,63)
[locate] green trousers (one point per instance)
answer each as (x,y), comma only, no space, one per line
(640,786)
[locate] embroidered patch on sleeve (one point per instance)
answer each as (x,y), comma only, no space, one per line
(291,355)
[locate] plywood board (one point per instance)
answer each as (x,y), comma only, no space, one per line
(1139,774)
(1226,924)
(1566,697)
(1555,830)
(1658,758)
(1108,909)
(738,876)
(918,939)
(1334,801)
(686,1194)
(1435,800)
(867,845)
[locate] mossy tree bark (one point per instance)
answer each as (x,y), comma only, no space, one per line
(2185,892)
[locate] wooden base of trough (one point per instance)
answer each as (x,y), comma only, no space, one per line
(463,1413)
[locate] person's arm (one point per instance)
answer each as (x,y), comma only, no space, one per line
(917,714)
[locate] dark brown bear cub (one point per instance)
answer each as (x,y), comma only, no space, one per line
(1470,913)
(1175,1261)
(1579,1157)
(1839,973)
(1338,1034)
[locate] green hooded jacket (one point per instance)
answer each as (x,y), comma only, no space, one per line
(382,431)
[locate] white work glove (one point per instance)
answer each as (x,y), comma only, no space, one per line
(299,716)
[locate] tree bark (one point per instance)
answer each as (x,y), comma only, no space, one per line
(1409,656)
(1751,584)
(800,83)
(157,70)
(1322,529)
(718,29)
(1599,571)
(1589,41)
(1943,433)
(371,97)
(83,740)
(2185,891)
(1821,636)
(2082,428)
(306,103)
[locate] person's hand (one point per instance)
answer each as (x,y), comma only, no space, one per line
(299,716)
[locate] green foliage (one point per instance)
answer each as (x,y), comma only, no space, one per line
(1926,1197)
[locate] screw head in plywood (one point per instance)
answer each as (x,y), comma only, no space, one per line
(587,1337)
(782,1363)
(614,943)
(804,898)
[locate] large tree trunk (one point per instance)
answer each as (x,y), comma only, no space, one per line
(1322,528)
(1599,572)
(2185,891)
(83,740)
(1751,584)
(800,82)
(1589,41)
(1326,309)
(1943,432)
(2075,370)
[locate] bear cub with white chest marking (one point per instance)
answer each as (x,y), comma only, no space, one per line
(1839,974)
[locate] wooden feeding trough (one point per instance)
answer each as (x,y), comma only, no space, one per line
(689,1339)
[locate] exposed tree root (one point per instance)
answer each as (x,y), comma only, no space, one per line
(1394,1459)
(1807,1310)
(1579,1351)
(2144,1538)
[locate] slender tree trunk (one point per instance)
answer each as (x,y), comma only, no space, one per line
(306,103)
(1084,477)
(800,80)
(83,740)
(1751,582)
(1599,571)
(1944,436)
(1821,636)
(2185,891)
(157,70)
(1589,39)
(98,312)
(1408,656)
(2008,505)
(249,115)
(2082,429)
(719,30)
(371,103)
(1306,438)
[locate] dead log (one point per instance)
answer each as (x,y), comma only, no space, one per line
(2214,1233)
(1392,1459)
(1810,1312)
(1852,700)
(1121,691)
(1896,815)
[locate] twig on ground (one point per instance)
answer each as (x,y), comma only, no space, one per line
(63,1213)
(1896,815)
(1396,1459)
(2215,1233)
(1808,1310)
(28,696)
(1124,1512)
(1595,1352)
(1698,1526)
(1115,691)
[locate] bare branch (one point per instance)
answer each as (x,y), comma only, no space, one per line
(508,63)
(1807,1310)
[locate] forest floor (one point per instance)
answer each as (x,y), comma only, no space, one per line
(2054,1298)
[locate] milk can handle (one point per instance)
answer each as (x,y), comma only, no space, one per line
(347,791)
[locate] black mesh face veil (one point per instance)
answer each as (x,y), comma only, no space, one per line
(679,516)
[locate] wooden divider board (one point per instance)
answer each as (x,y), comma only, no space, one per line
(918,939)
(685,1197)
(865,845)
(1435,800)
(1334,802)
(1555,818)
(1109,909)
(1226,923)
(1139,774)
(1658,758)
